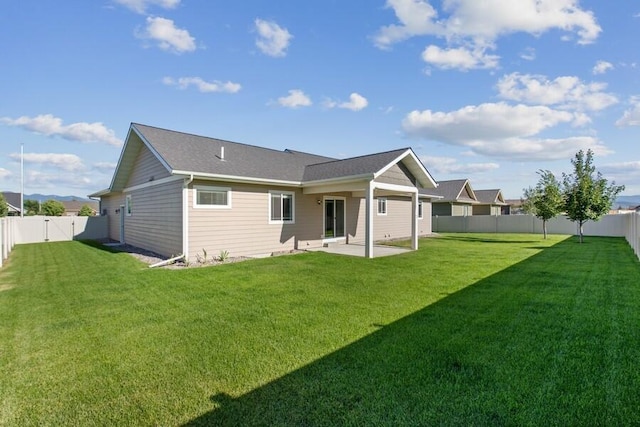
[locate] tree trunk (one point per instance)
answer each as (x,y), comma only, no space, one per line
(544,228)
(581,223)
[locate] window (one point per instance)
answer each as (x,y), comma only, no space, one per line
(419,209)
(211,197)
(128,207)
(281,207)
(382,206)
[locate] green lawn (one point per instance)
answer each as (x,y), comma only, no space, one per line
(469,330)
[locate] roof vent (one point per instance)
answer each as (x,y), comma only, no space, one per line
(222,153)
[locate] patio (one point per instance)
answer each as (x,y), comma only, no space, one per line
(355,249)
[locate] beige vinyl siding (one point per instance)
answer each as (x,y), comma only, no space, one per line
(245,229)
(310,222)
(396,224)
(397,174)
(155,222)
(146,168)
(461,210)
(112,203)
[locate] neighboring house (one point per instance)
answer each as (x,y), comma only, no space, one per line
(515,206)
(72,207)
(176,193)
(490,202)
(13,202)
(457,198)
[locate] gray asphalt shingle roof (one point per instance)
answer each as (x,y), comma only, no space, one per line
(351,167)
(489,197)
(450,190)
(192,153)
(202,155)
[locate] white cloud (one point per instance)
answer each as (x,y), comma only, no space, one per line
(105,166)
(529,54)
(567,92)
(501,130)
(49,125)
(631,168)
(140,6)
(356,102)
(460,58)
(485,121)
(4,173)
(167,35)
(602,67)
(448,165)
(480,23)
(65,162)
(272,40)
(295,99)
(417,18)
(631,117)
(39,179)
(202,85)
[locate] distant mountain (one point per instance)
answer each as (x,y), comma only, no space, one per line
(45,197)
(627,201)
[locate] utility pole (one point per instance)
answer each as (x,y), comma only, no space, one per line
(22,180)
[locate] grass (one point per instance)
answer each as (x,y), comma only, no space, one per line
(471,329)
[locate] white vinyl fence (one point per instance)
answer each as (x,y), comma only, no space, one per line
(609,225)
(627,226)
(36,229)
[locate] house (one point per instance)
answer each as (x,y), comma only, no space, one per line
(456,198)
(72,207)
(13,202)
(176,193)
(515,206)
(490,202)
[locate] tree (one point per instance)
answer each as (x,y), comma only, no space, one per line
(4,207)
(85,210)
(587,195)
(545,200)
(52,208)
(31,207)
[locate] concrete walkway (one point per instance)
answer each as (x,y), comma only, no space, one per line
(358,250)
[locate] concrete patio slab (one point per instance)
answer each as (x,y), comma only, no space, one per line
(358,250)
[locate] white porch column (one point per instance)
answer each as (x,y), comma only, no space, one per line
(368,234)
(414,221)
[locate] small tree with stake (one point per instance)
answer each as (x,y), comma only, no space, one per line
(587,195)
(545,200)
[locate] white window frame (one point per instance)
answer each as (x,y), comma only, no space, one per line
(293,207)
(382,203)
(420,209)
(211,188)
(128,205)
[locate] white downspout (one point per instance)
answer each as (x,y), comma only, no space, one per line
(414,220)
(368,237)
(185,217)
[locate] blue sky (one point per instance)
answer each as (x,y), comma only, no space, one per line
(491,91)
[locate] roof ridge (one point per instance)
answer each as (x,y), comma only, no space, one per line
(361,156)
(211,138)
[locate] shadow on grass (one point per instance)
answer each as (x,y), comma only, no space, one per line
(524,346)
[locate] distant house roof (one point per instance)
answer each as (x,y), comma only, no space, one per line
(13,200)
(456,190)
(74,206)
(490,197)
(187,154)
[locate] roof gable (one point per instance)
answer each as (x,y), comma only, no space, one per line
(490,197)
(187,154)
(457,190)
